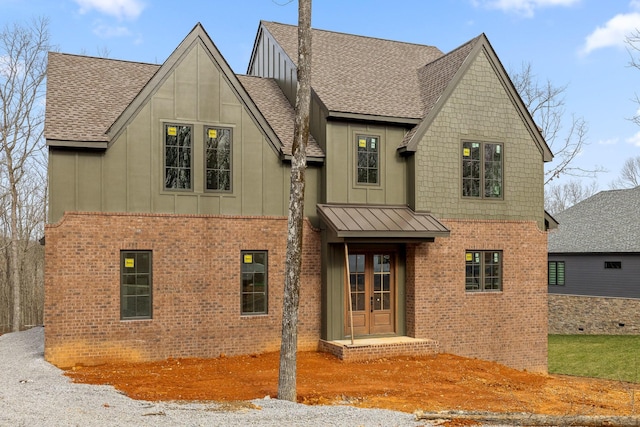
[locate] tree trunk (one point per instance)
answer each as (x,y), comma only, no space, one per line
(531,419)
(14,272)
(289,346)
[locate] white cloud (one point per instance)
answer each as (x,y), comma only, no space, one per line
(129,9)
(610,141)
(613,33)
(524,7)
(108,31)
(635,139)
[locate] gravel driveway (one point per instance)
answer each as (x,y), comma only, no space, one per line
(35,393)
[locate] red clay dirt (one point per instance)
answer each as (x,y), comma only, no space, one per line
(431,383)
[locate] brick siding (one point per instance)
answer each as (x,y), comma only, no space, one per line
(510,326)
(196,287)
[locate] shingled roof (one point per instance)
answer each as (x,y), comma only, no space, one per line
(605,222)
(278,111)
(86,95)
(353,73)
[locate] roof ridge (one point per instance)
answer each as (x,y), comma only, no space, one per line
(103,58)
(357,35)
(451,52)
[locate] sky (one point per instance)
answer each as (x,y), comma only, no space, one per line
(580,44)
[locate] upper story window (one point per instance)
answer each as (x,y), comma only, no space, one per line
(177,157)
(482,170)
(483,271)
(556,273)
(368,159)
(218,158)
(613,265)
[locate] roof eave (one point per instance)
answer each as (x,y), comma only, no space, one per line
(59,143)
(343,115)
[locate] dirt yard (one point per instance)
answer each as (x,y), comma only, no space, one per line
(435,383)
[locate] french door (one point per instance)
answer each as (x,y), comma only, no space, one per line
(372,292)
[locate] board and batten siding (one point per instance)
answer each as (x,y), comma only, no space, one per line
(129,175)
(341,165)
(585,275)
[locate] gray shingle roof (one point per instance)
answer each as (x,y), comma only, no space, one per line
(605,222)
(277,111)
(362,75)
(85,94)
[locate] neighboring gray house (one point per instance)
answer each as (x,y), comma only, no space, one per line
(594,266)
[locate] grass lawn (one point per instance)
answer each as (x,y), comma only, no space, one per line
(615,357)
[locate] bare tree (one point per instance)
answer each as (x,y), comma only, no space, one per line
(559,197)
(289,346)
(629,174)
(633,43)
(23,61)
(546,104)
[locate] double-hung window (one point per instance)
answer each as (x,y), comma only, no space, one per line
(556,273)
(177,157)
(368,159)
(483,271)
(135,285)
(254,282)
(218,159)
(482,170)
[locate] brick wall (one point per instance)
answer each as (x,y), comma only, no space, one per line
(196,287)
(509,327)
(575,314)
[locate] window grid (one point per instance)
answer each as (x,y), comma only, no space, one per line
(483,271)
(135,285)
(177,157)
(218,159)
(356,281)
(482,170)
(556,273)
(254,282)
(368,159)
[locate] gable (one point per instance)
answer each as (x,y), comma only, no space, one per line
(441,77)
(478,107)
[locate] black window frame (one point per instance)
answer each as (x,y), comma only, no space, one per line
(247,292)
(477,263)
(476,163)
(365,143)
(613,265)
(179,149)
(220,173)
(554,277)
(131,259)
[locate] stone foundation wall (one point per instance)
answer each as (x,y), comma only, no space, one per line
(575,314)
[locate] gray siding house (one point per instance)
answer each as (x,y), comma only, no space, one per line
(594,266)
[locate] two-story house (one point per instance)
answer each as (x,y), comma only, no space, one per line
(169,189)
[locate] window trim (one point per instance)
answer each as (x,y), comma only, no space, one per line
(204,154)
(482,270)
(482,195)
(613,265)
(165,126)
(243,253)
(122,284)
(378,167)
(564,273)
